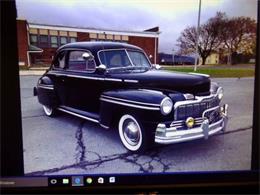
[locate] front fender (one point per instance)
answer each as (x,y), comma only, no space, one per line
(145,104)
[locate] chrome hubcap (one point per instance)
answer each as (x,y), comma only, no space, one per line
(131,132)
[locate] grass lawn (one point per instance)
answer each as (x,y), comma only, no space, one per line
(216,71)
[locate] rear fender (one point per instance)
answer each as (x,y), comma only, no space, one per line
(45,92)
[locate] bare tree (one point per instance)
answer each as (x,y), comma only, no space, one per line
(208,38)
(234,32)
(231,35)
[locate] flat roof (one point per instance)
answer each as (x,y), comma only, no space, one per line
(94,30)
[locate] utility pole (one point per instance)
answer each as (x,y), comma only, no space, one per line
(197,39)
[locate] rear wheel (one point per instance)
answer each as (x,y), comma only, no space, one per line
(132,134)
(49,111)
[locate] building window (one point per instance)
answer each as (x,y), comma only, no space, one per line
(117,38)
(33,39)
(63,40)
(101,36)
(92,35)
(72,39)
(54,41)
(43,40)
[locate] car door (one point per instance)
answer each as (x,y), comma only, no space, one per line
(83,84)
(58,76)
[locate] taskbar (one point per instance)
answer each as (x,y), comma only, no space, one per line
(198,178)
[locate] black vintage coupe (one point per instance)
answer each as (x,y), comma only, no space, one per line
(115,85)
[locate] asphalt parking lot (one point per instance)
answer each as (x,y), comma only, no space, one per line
(70,145)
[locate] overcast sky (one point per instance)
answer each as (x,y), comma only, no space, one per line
(172,16)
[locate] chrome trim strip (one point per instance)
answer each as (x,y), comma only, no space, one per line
(46,86)
(181,123)
(199,74)
(129,57)
(178,126)
(153,91)
(130,105)
(183,132)
(130,101)
(78,115)
(208,110)
(77,76)
(86,77)
(176,122)
(104,126)
(57,74)
(174,136)
(198,100)
(111,79)
(130,81)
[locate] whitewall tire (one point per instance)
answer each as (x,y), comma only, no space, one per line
(131,133)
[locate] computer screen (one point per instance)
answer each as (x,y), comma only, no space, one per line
(112,93)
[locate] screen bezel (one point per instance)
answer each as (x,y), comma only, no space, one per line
(11,128)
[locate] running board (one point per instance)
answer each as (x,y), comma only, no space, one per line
(94,117)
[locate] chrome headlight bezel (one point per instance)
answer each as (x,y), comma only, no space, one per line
(220,93)
(214,87)
(166,106)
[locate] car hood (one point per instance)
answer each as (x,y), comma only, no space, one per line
(168,81)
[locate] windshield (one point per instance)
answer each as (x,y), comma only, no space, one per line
(123,60)
(138,58)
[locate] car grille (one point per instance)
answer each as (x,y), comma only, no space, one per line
(195,110)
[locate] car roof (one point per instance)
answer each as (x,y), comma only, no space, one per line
(95,46)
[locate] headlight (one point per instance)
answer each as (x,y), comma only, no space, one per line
(220,93)
(166,106)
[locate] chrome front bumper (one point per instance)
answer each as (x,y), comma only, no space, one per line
(171,135)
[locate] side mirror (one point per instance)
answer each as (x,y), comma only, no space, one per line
(156,66)
(101,68)
(87,56)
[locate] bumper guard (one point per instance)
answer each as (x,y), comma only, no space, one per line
(171,135)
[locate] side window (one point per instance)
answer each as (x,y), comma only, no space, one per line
(60,60)
(76,62)
(116,61)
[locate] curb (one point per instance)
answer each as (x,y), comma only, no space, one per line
(31,72)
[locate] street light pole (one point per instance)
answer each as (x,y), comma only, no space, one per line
(173,56)
(197,39)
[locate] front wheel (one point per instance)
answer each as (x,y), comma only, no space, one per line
(132,134)
(49,111)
